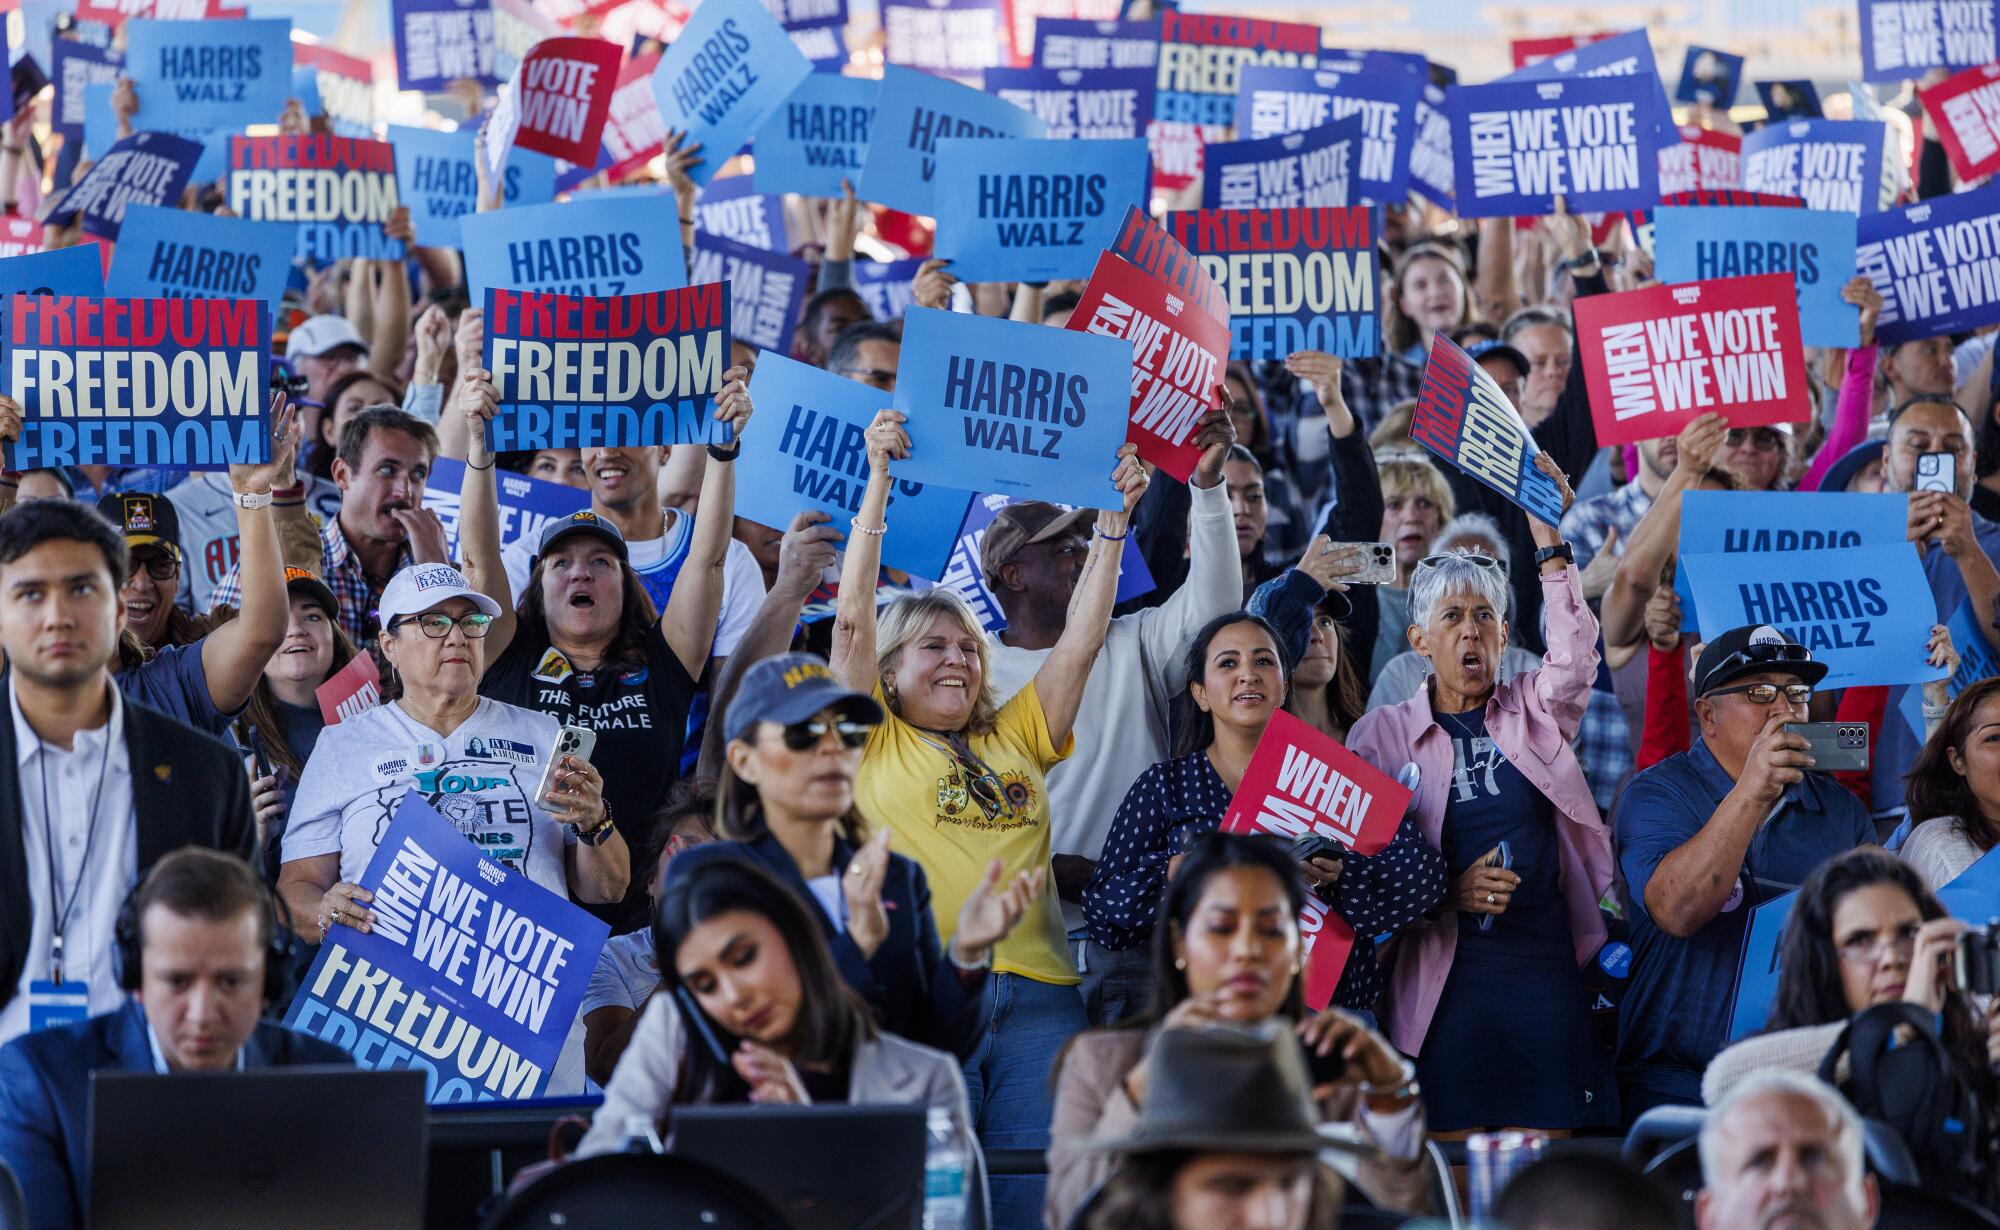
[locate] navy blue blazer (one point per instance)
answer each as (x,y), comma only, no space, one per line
(910,982)
(45,1099)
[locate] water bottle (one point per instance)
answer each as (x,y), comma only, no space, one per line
(945,1194)
(640,1137)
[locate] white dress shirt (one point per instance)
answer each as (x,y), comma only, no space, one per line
(69,782)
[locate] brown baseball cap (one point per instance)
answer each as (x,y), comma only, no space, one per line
(1023,524)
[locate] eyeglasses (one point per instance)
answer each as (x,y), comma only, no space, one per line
(806,735)
(437,625)
(159,567)
(1762,439)
(1868,949)
(1472,557)
(1765,693)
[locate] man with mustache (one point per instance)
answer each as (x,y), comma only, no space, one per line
(1784,1151)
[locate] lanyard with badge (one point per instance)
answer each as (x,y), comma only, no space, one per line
(55,1001)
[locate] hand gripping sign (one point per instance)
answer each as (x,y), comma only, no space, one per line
(1299,781)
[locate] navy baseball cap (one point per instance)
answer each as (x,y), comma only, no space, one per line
(791,688)
(1500,350)
(1753,650)
(582,521)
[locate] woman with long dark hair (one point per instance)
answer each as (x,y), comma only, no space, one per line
(754,1010)
(1228,949)
(1238,677)
(786,803)
(1954,788)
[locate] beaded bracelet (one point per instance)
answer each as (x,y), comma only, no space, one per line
(871,532)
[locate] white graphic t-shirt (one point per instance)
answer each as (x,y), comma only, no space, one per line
(481,778)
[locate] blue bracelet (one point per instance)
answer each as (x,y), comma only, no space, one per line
(1111,537)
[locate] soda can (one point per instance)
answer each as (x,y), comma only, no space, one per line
(1492,1160)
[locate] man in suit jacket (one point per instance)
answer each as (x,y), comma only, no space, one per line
(94,788)
(198,945)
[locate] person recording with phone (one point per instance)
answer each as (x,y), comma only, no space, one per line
(1499,783)
(1238,677)
(1706,835)
(1228,951)
(585,645)
(754,1010)
(1866,932)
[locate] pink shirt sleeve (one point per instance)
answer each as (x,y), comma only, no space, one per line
(1850,415)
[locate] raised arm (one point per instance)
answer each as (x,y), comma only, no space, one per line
(1060,681)
(470,341)
(854,609)
(688,624)
(234,655)
(1494,293)
(389,292)
(1857,386)
(479,508)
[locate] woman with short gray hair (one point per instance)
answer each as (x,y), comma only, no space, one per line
(1403,676)
(1500,793)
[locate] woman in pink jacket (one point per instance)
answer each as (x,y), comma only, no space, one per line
(1488,995)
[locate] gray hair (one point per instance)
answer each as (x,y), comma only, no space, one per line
(1476,526)
(1454,572)
(1784,1082)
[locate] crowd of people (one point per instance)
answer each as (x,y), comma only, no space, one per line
(854,845)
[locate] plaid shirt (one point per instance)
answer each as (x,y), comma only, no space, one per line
(1590,522)
(1373,387)
(358,596)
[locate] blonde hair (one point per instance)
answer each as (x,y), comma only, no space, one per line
(1404,474)
(908,618)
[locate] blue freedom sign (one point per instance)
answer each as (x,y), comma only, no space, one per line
(1829,164)
(729,69)
(146,168)
(585,247)
(818,137)
(767,290)
(1864,611)
(814,456)
(1272,100)
(77,270)
(1037,413)
(1034,210)
(1068,42)
(622,372)
(211,74)
(1517,145)
(1740,521)
(174,254)
(526,504)
(472,973)
(178,383)
(1697,242)
(436,179)
(912,113)
(1290,279)
(1935,264)
(1465,419)
(1314,169)
(1108,104)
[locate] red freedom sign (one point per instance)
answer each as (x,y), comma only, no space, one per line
(1965,107)
(1300,781)
(1178,353)
(1656,358)
(563,94)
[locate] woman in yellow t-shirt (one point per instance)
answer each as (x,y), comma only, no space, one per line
(959,778)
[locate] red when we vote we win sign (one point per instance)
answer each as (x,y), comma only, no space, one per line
(1300,781)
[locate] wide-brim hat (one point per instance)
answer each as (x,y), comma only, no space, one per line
(1225,1089)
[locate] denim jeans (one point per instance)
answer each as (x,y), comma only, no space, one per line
(1116,984)
(1008,1087)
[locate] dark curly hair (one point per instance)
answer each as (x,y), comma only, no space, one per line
(1934,788)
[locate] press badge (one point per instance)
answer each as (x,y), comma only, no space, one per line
(54,1004)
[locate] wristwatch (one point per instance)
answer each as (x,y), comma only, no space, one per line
(1584,261)
(1561,550)
(253,499)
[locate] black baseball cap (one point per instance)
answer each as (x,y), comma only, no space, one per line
(582,521)
(1752,650)
(145,520)
(791,688)
(1500,350)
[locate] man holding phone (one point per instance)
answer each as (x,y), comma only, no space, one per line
(1706,835)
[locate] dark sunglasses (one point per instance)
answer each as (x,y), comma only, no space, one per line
(806,735)
(159,567)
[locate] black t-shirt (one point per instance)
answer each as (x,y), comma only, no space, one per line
(640,717)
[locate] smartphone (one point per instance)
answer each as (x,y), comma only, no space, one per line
(1937,472)
(704,1028)
(1378,563)
(1328,1068)
(577,741)
(1502,856)
(1313,845)
(1979,959)
(1836,747)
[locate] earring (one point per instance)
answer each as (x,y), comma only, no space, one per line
(1180,963)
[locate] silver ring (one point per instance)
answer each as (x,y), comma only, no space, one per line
(1490,899)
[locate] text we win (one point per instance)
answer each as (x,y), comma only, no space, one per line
(1312,796)
(1589,147)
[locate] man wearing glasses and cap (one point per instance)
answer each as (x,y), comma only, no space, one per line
(1705,836)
